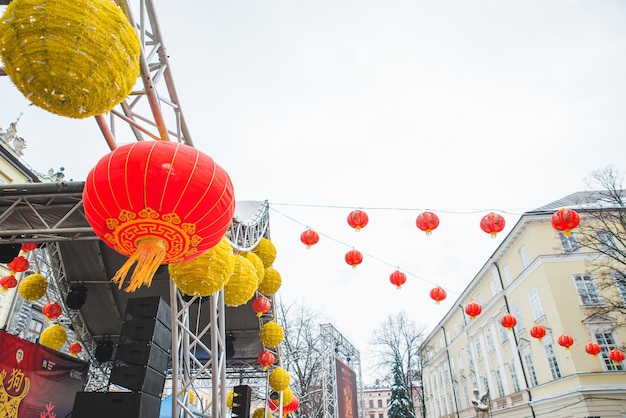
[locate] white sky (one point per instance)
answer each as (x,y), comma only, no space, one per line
(323,107)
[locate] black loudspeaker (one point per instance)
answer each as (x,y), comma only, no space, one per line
(116,404)
(138,378)
(241,401)
(153,307)
(8,252)
(148,330)
(143,354)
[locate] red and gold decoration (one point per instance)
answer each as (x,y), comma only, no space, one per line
(357,219)
(266,251)
(438,294)
(266,359)
(33,287)
(397,278)
(206,274)
(279,379)
(473,309)
(508,321)
(427,222)
(8,282)
(538,332)
(271,334)
(261,305)
(309,238)
(75,348)
(53,337)
(492,223)
(157,202)
(354,258)
(51,310)
(566,341)
(67,58)
(242,284)
(271,282)
(19,264)
(565,220)
(593,348)
(616,355)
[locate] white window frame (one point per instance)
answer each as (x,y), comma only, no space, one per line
(586,289)
(506,272)
(553,362)
(569,243)
(535,303)
(523,256)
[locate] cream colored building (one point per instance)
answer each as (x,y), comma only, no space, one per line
(376,400)
(540,277)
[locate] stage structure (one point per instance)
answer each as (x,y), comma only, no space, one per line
(341,376)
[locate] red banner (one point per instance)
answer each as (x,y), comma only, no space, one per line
(37,382)
(346,391)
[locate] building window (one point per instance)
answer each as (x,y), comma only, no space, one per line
(519,327)
(504,334)
(587,290)
(548,348)
(620,283)
(372,416)
(569,243)
(499,383)
(607,341)
(470,357)
(535,303)
(465,391)
(489,339)
(493,287)
(371,403)
(34,330)
(479,349)
(607,240)
(380,403)
(530,367)
(523,257)
(506,272)
(513,373)
(459,358)
(381,415)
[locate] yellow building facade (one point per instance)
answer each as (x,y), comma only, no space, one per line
(541,277)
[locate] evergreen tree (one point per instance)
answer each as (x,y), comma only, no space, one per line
(401,404)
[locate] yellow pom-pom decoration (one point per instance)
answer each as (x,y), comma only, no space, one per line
(242,283)
(271,334)
(72,58)
(229,399)
(33,287)
(258,265)
(266,251)
(53,337)
(206,274)
(260,413)
(271,282)
(287,396)
(279,380)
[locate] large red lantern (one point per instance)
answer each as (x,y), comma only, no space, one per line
(309,238)
(616,355)
(473,309)
(508,321)
(261,305)
(28,246)
(438,294)
(427,221)
(566,341)
(291,406)
(19,264)
(397,278)
(51,310)
(492,223)
(75,348)
(157,202)
(8,282)
(593,348)
(538,332)
(266,359)
(357,219)
(565,220)
(354,258)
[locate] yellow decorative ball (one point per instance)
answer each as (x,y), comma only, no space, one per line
(229,399)
(53,337)
(266,250)
(33,287)
(260,413)
(279,380)
(271,282)
(72,58)
(257,263)
(242,283)
(206,274)
(271,334)
(287,396)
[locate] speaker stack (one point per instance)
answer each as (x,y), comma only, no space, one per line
(140,364)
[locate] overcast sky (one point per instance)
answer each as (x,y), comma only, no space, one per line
(460,107)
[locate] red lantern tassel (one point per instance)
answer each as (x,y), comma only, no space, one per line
(149,256)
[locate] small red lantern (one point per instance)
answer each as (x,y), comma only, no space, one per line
(354,258)
(261,305)
(473,309)
(508,321)
(566,341)
(438,294)
(75,348)
(51,310)
(565,220)
(538,332)
(427,221)
(492,223)
(8,282)
(616,355)
(157,202)
(309,238)
(593,348)
(19,264)
(357,219)
(266,359)
(29,246)
(397,278)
